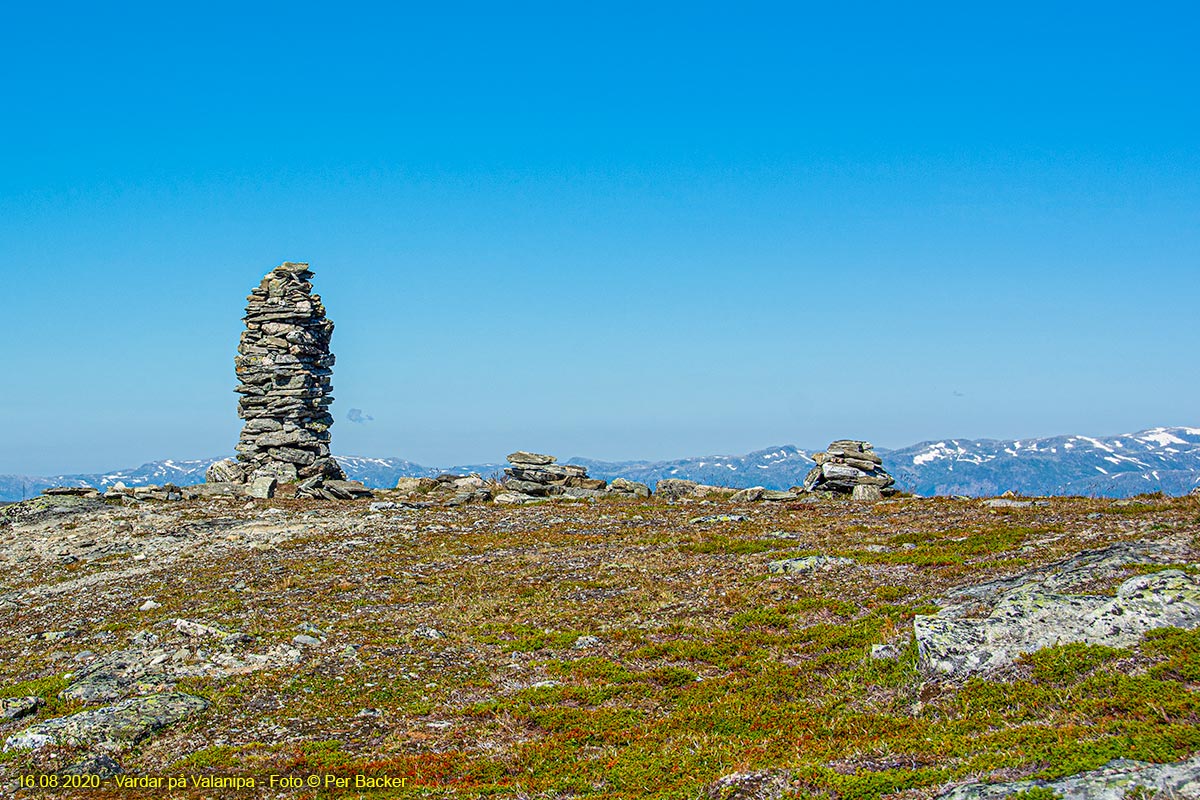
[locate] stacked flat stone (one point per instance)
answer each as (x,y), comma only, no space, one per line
(846,465)
(284,367)
(538,475)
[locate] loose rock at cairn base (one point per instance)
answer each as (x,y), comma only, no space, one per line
(849,466)
(284,367)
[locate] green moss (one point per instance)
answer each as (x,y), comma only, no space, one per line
(718,653)
(1180,650)
(834,605)
(759,617)
(672,676)
(1036,793)
(1068,663)
(891,593)
(46,688)
(733,546)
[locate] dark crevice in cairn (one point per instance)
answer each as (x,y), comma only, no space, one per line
(850,467)
(284,368)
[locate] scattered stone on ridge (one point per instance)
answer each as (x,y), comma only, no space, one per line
(675,488)
(845,464)
(73,491)
(748,495)
(516,498)
(225,471)
(716,518)
(1004,502)
(262,487)
(628,487)
(411,485)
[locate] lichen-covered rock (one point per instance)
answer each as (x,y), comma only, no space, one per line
(675,489)
(628,487)
(516,499)
(767,784)
(415,484)
(262,487)
(751,495)
(1114,781)
(225,471)
(17,707)
(115,727)
(1031,616)
(96,764)
(866,494)
(808,564)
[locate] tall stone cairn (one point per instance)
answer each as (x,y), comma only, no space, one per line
(284,368)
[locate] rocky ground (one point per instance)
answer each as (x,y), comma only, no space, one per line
(616,647)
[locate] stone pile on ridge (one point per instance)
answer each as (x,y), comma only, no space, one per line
(538,475)
(849,466)
(284,367)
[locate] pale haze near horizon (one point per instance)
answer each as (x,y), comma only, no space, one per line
(699,233)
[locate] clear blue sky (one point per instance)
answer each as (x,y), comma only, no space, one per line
(619,230)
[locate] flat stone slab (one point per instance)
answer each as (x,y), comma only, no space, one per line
(1114,781)
(533,459)
(517,499)
(115,727)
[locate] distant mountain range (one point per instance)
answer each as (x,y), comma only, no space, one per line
(1158,459)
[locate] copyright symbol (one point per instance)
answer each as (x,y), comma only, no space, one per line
(314,780)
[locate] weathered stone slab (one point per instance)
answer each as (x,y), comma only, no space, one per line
(115,727)
(532,459)
(1116,780)
(1032,616)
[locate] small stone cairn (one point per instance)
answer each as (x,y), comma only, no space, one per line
(539,475)
(532,476)
(284,368)
(850,467)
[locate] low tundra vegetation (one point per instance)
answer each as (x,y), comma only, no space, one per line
(618,650)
